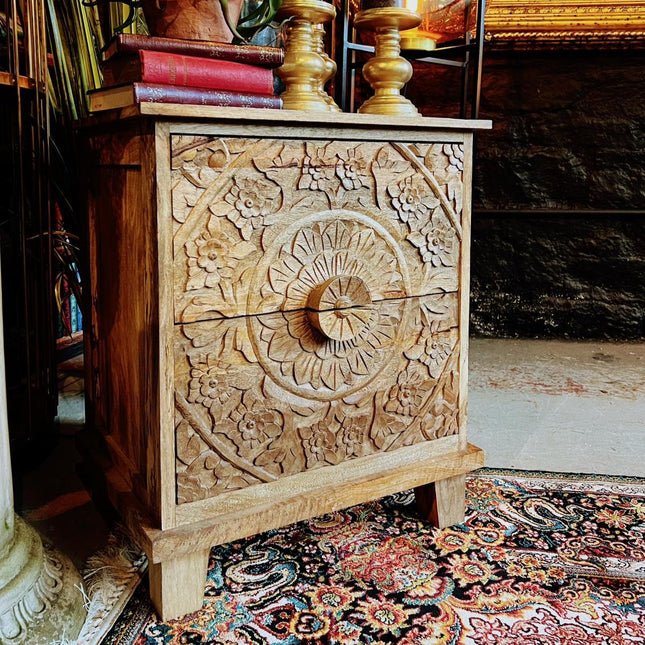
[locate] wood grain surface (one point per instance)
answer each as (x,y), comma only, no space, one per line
(278,324)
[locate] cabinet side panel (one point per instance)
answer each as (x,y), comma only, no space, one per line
(123,362)
(464,289)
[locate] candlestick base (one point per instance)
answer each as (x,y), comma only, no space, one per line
(417,40)
(387,71)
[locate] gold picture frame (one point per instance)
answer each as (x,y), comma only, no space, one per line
(552,24)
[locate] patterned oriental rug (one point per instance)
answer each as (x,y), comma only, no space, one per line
(541,559)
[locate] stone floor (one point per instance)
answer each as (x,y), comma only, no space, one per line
(560,406)
(536,405)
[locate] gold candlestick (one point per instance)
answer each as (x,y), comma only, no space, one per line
(387,71)
(304,70)
(330,65)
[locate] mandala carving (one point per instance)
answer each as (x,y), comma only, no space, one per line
(316,302)
(337,285)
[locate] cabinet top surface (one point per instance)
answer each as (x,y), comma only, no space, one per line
(295,118)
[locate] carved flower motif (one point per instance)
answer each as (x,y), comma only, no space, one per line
(319,443)
(435,242)
(206,261)
(296,353)
(255,424)
(437,350)
(455,154)
(253,201)
(406,397)
(317,171)
(213,256)
(351,169)
(353,436)
(208,383)
(413,200)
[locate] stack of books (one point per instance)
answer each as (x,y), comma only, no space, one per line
(141,69)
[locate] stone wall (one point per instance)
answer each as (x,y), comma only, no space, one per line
(559,192)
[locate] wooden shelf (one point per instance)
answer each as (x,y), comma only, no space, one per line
(9,80)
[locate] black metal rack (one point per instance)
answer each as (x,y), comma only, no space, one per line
(465,53)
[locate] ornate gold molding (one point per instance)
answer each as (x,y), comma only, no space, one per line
(555,23)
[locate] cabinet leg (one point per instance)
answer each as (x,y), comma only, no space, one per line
(177,585)
(443,502)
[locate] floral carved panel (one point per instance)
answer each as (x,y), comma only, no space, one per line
(316,302)
(238,204)
(258,398)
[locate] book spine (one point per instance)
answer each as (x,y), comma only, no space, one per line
(175,69)
(158,93)
(73,307)
(66,313)
(252,54)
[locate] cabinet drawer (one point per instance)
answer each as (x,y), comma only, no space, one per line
(263,397)
(260,223)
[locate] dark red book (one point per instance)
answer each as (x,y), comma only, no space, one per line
(190,71)
(128,44)
(119,96)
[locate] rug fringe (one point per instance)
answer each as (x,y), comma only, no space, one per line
(110,577)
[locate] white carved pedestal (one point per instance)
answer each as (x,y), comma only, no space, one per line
(279,321)
(40,597)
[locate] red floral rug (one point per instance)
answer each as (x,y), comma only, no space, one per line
(541,559)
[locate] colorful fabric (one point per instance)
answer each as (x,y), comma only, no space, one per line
(541,559)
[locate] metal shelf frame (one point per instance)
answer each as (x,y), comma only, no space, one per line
(467,54)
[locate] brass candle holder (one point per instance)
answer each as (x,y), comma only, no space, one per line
(330,65)
(304,70)
(387,71)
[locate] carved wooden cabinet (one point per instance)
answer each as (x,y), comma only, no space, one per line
(278,326)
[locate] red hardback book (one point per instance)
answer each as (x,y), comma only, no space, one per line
(120,96)
(191,71)
(128,44)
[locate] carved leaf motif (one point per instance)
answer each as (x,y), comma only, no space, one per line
(308,203)
(437,337)
(198,151)
(447,162)
(442,418)
(387,164)
(184,197)
(387,159)
(384,431)
(189,451)
(281,158)
(202,473)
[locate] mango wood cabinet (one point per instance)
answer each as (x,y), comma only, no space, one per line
(278,324)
